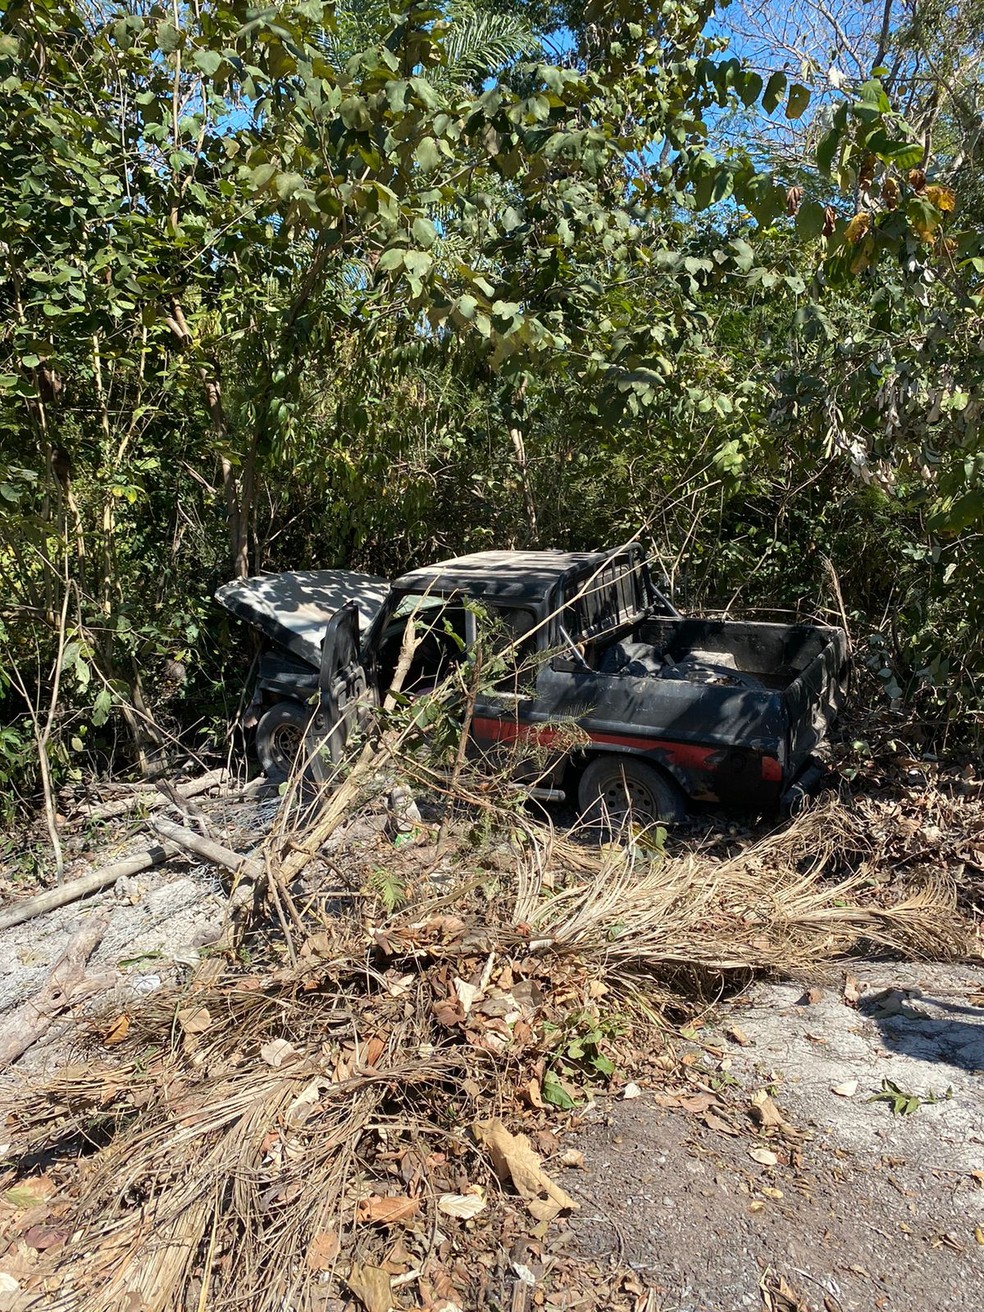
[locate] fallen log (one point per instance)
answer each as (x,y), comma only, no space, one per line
(207,848)
(145,859)
(66,983)
(149,796)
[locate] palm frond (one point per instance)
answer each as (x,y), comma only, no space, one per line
(481,43)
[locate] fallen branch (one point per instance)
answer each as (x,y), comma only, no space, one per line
(150,797)
(66,983)
(208,849)
(184,806)
(61,896)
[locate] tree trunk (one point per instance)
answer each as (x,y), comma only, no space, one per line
(237,514)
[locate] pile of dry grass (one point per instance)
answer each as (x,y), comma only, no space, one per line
(299,1136)
(772,907)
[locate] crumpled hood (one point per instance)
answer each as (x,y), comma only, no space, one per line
(293,609)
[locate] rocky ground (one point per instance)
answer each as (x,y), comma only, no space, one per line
(847,1204)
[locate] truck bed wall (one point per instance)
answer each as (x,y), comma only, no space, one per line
(778,651)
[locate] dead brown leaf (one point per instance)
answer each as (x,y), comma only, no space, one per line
(45,1236)
(462,1206)
(717,1123)
(386,1210)
(373,1050)
(371,1286)
(852,990)
(764,1156)
(514,1159)
(778,1296)
(765,1112)
(546,1143)
(194,1020)
(278,1052)
(398,1258)
(323,1250)
(737,1035)
(319,946)
(698,1103)
(117,1032)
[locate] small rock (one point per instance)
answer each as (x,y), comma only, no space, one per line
(186,955)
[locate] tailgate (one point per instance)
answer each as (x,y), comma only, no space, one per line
(814,699)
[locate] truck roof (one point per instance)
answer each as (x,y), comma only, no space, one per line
(512,575)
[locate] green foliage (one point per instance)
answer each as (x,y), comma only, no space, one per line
(902,1103)
(389,888)
(16,748)
(340,285)
(578,1056)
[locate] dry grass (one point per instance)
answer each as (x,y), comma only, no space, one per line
(236,1141)
(770,908)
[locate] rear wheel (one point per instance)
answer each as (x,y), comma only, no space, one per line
(280,738)
(616,790)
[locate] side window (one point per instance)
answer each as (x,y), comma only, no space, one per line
(600,604)
(441,629)
(515,642)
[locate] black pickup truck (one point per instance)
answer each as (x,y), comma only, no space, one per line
(607,691)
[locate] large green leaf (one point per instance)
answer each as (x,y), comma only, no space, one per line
(774,90)
(797,102)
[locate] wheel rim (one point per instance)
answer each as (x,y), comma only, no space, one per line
(623,795)
(287,743)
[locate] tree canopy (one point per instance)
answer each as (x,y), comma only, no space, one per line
(352,284)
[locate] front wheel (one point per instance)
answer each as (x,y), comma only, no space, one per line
(616,790)
(280,738)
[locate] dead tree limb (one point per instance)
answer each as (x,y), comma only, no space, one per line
(61,896)
(66,983)
(150,797)
(208,849)
(186,807)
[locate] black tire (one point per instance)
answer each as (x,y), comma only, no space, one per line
(613,787)
(280,738)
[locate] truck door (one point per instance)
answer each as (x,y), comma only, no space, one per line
(506,726)
(342,694)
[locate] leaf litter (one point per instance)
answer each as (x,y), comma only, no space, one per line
(350,1113)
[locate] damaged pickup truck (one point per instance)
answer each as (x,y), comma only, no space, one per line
(666,710)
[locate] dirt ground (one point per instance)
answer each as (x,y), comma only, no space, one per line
(766,1179)
(862,1208)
